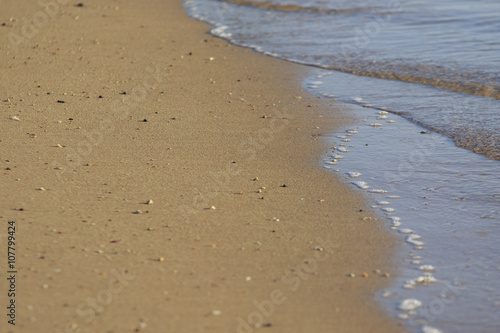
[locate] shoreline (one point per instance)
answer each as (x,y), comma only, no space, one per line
(121,103)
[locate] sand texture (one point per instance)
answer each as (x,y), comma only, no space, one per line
(162,180)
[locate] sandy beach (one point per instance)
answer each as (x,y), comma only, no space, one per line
(163,180)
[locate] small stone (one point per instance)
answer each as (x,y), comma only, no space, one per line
(212,208)
(216,312)
(386,275)
(351,275)
(276,219)
(60,101)
(161,259)
(255,179)
(99,251)
(40,189)
(149,202)
(58,146)
(138,212)
(211,58)
(365,275)
(248,278)
(318,248)
(15,118)
(45,286)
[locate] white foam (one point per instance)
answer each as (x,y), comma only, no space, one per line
(388,209)
(393,197)
(426,279)
(352,131)
(406,231)
(221,32)
(358,99)
(362,185)
(410,304)
(337,156)
(354,174)
(429,329)
(382,203)
(427,268)
(342,149)
(413,239)
(382,112)
(378,191)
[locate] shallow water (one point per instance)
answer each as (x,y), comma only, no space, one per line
(425,76)
(451,44)
(425,186)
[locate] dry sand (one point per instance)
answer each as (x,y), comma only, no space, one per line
(157,109)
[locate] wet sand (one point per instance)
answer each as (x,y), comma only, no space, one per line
(109,105)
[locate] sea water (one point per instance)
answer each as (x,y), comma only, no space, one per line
(423,79)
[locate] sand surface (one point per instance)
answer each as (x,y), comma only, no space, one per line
(122,102)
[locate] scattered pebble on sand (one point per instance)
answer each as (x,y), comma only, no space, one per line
(137,212)
(149,202)
(15,118)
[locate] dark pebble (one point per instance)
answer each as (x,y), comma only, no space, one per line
(59,101)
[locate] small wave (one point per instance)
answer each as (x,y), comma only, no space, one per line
(294,8)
